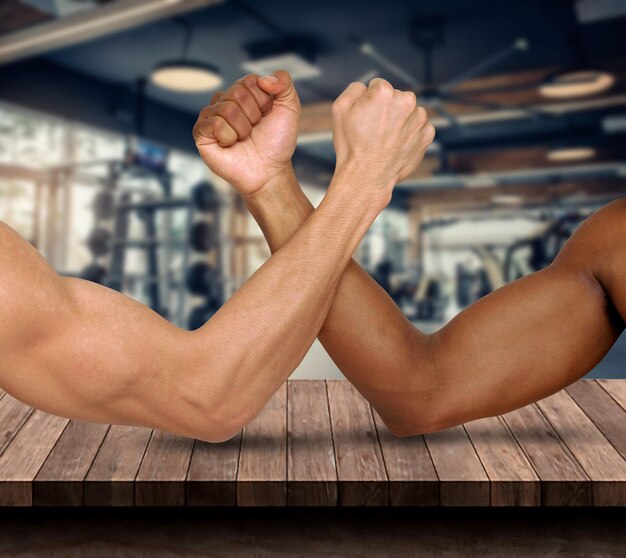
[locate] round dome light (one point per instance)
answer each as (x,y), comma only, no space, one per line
(577,84)
(570,154)
(186,77)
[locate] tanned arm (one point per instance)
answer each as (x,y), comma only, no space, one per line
(522,342)
(84,351)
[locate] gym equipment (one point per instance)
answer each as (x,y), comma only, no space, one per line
(430,300)
(204,197)
(99,241)
(201,236)
(200,315)
(201,279)
(382,275)
(471,285)
(103,205)
(533,254)
(95,273)
(161,204)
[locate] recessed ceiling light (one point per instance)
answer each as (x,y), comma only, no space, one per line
(507,199)
(186,77)
(570,154)
(577,84)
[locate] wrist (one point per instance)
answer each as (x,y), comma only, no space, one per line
(281,181)
(280,198)
(368,189)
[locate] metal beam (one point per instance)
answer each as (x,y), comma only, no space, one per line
(509,178)
(109,18)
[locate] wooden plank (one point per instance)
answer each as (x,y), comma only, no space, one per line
(60,479)
(512,480)
(111,478)
(412,477)
(13,414)
(361,471)
(600,460)
(616,389)
(161,477)
(463,481)
(603,411)
(563,480)
(25,455)
(311,468)
(262,474)
(212,475)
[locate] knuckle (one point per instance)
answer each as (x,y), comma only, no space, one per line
(250,80)
(429,132)
(422,115)
(239,93)
(218,124)
(229,110)
(338,105)
(409,97)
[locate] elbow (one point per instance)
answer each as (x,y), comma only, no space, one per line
(416,424)
(214,428)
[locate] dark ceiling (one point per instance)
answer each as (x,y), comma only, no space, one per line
(472,31)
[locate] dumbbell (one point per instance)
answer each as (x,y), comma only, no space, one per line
(205,197)
(200,315)
(201,279)
(201,236)
(95,273)
(104,205)
(99,241)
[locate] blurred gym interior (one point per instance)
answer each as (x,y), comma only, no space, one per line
(98,169)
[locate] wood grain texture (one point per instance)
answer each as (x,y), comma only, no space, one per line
(600,460)
(512,480)
(262,474)
(320,444)
(412,477)
(161,477)
(60,479)
(13,415)
(616,389)
(360,465)
(311,468)
(463,481)
(603,411)
(111,478)
(212,475)
(22,459)
(563,480)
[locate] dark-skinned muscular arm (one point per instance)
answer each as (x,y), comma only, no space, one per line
(519,344)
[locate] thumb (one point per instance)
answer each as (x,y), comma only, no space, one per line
(280,86)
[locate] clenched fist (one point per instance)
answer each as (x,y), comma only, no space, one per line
(247,135)
(380,134)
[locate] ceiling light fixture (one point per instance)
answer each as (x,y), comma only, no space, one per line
(567,154)
(185,76)
(576,84)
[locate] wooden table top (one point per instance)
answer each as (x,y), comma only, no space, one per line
(318,443)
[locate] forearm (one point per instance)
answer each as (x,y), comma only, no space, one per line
(87,352)
(365,333)
(270,323)
(522,342)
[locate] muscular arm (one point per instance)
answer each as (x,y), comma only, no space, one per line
(520,343)
(84,351)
